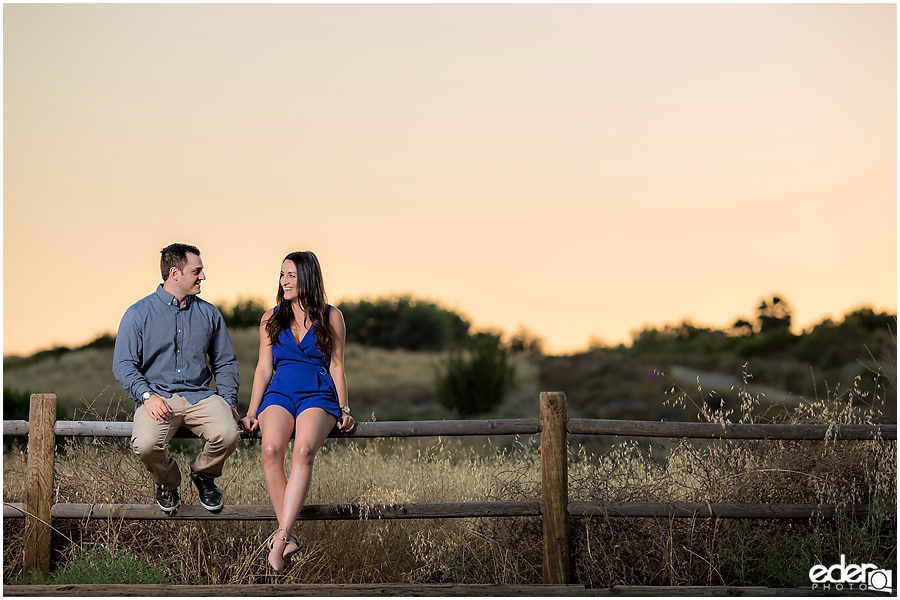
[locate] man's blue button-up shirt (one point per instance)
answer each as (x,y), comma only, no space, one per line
(163,349)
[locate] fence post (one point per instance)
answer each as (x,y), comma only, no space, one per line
(41,448)
(555,487)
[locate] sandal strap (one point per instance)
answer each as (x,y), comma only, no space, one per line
(283,537)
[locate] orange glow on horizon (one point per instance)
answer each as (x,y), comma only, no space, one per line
(580,170)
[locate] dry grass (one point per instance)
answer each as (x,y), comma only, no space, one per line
(367,473)
(605,551)
(609,551)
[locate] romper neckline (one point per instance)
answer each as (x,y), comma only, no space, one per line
(302,339)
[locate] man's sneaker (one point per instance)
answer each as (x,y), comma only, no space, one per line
(210,495)
(167,500)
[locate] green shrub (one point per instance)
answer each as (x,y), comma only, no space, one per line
(243,313)
(104,566)
(770,554)
(16,405)
(476,381)
(403,323)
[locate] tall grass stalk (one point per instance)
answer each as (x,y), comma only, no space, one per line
(233,552)
(605,551)
(638,551)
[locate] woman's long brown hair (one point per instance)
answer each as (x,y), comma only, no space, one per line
(311,294)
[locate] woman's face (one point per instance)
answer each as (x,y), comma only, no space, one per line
(289,280)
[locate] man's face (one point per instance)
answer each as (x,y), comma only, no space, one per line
(188,279)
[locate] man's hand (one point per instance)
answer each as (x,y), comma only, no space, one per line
(158,408)
(236,417)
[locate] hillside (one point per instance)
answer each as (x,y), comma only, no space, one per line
(711,367)
(389,384)
(703,366)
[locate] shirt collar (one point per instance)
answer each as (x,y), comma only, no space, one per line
(169,299)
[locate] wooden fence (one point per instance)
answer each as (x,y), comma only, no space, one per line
(554,507)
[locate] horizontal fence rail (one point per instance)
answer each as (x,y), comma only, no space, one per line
(362,430)
(738,431)
(735,431)
(712,510)
(554,508)
(448,510)
(310,512)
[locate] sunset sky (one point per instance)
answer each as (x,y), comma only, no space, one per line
(582,170)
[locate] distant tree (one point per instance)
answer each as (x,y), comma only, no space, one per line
(524,341)
(866,320)
(774,316)
(742,327)
(107,340)
(475,381)
(17,362)
(831,345)
(403,322)
(677,340)
(246,312)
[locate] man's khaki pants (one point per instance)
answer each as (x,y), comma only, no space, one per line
(211,419)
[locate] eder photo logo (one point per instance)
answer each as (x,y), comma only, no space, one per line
(853,577)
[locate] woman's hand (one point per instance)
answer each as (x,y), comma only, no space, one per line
(346,422)
(249,424)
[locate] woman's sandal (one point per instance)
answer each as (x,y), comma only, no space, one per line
(291,547)
(276,559)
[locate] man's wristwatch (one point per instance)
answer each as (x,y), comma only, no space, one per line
(346,409)
(145,396)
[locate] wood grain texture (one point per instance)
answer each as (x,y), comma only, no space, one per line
(555,487)
(743,431)
(39,490)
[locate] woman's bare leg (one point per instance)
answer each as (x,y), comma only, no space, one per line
(276,424)
(312,428)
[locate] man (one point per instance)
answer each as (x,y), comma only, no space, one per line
(161,354)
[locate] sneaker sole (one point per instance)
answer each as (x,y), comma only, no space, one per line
(168,511)
(213,508)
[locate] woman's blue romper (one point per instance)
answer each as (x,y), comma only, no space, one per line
(301,379)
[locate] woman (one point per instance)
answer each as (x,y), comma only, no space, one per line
(299,387)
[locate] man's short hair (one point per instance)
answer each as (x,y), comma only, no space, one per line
(175,255)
